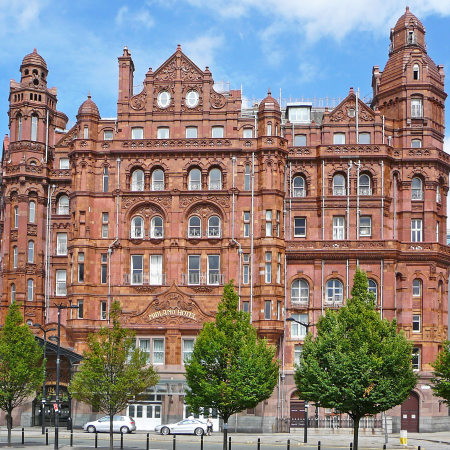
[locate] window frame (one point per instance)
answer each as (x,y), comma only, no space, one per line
(61,282)
(339,228)
(163,133)
(30,252)
(194,231)
(137,270)
(63,209)
(217,132)
(416,323)
(137,231)
(215,179)
(137,133)
(138,180)
(191,130)
(195,185)
(339,138)
(339,189)
(157,230)
(213,274)
(214,231)
(268,268)
(62,242)
(336,288)
(298,227)
(193,271)
(417,230)
(298,331)
(302,286)
(367,226)
(31,211)
(30,290)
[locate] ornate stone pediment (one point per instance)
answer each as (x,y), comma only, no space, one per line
(346,111)
(172,306)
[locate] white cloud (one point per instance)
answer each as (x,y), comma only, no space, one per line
(141,17)
(17,15)
(202,49)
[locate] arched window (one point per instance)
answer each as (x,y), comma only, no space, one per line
(32,211)
(16,217)
(13,293)
(339,185)
(63,205)
(30,290)
(137,180)
(137,228)
(335,291)
(416,189)
(215,180)
(34,125)
(364,185)
(416,72)
(158,180)
(300,291)
(299,187)
(214,227)
(30,251)
(269,129)
(195,227)
(15,256)
(157,227)
(373,287)
(417,287)
(19,127)
(86,132)
(195,180)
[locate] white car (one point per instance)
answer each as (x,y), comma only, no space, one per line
(121,424)
(186,426)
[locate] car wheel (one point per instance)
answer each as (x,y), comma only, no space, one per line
(198,431)
(125,430)
(91,429)
(165,431)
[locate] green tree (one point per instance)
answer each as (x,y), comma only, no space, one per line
(21,364)
(441,375)
(230,368)
(113,370)
(358,363)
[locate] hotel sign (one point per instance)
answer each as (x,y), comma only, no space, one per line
(172,313)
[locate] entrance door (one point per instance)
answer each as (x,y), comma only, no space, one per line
(297,414)
(410,413)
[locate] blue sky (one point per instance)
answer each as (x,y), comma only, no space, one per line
(314,48)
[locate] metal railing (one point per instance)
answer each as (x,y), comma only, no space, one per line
(141,278)
(339,191)
(158,186)
(202,278)
(365,191)
(62,210)
(417,194)
(195,186)
(156,233)
(299,192)
(215,185)
(137,186)
(137,233)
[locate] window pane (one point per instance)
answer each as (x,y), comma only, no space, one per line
(158,351)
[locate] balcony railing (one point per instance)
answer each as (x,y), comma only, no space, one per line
(416,194)
(339,191)
(140,278)
(61,249)
(365,191)
(299,300)
(196,233)
(137,233)
(202,278)
(156,233)
(336,299)
(195,185)
(63,210)
(137,186)
(214,232)
(158,186)
(299,192)
(215,185)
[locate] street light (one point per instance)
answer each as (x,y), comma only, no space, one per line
(306,325)
(38,325)
(58,339)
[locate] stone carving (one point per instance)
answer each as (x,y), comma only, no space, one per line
(222,200)
(129,201)
(189,73)
(217,100)
(32,230)
(342,114)
(147,211)
(26,145)
(163,201)
(202,289)
(158,144)
(144,289)
(205,210)
(14,235)
(168,72)
(137,102)
(186,201)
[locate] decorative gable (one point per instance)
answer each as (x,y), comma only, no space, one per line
(346,111)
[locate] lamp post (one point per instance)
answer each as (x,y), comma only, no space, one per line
(305,429)
(38,325)
(58,339)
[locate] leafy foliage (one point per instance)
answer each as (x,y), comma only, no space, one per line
(113,369)
(21,364)
(441,375)
(230,368)
(358,363)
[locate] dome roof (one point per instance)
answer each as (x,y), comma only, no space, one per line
(269,103)
(34,59)
(88,108)
(406,18)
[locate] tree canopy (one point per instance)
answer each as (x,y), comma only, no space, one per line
(21,363)
(358,363)
(230,369)
(113,369)
(441,375)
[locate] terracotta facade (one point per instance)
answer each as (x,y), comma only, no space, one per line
(188,188)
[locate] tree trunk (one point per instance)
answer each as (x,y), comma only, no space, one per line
(111,432)
(225,433)
(9,425)
(355,432)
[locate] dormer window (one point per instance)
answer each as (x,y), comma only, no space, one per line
(416,72)
(412,37)
(299,113)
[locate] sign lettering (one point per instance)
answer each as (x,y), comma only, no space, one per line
(172,312)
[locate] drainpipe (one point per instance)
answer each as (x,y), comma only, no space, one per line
(48,252)
(381,287)
(251,237)
(323,200)
(348,198)
(46,140)
(290,200)
(358,212)
(233,159)
(321,289)
(346,284)
(382,200)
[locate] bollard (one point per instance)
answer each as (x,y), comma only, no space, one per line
(318,445)
(96,437)
(259,444)
(201,442)
(229,443)
(384,447)
(289,444)
(148,441)
(351,445)
(174,442)
(46,436)
(71,438)
(121,439)
(23,436)
(418,448)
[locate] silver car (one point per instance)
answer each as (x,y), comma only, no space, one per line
(122,424)
(186,426)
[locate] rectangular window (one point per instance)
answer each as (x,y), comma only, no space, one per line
(300,140)
(339,138)
(137,133)
(269,223)
(298,354)
(217,132)
(103,310)
(365,226)
(268,270)
(299,227)
(81,267)
(338,227)
(34,124)
(213,269)
(85,133)
(163,133)
(246,269)
(194,269)
(416,230)
(247,177)
(188,348)
(144,347)
(158,351)
(64,163)
(416,323)
(246,307)
(105,220)
(105,180)
(108,135)
(80,312)
(278,223)
(61,243)
(299,331)
(415,360)
(278,310)
(364,138)
(246,224)
(156,270)
(248,133)
(104,268)
(279,268)
(437,231)
(191,132)
(137,269)
(267,309)
(416,107)
(61,278)
(299,114)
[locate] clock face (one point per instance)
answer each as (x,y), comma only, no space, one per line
(163,99)
(192,99)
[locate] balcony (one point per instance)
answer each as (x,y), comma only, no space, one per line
(299,192)
(215,185)
(416,194)
(214,232)
(137,233)
(365,191)
(201,279)
(62,210)
(339,191)
(195,186)
(137,186)
(141,278)
(158,186)
(211,233)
